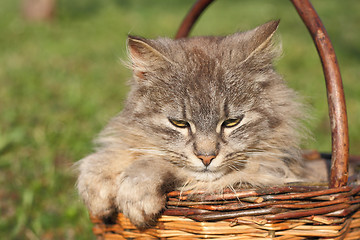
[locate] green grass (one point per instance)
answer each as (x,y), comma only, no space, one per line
(62,81)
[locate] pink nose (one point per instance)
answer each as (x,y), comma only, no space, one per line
(206,159)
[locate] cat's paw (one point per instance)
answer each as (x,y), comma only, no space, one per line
(140,201)
(98,194)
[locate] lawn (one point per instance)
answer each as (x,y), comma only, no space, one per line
(61,81)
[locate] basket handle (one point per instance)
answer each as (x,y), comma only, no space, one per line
(334,87)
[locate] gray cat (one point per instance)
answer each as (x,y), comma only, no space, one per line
(203,113)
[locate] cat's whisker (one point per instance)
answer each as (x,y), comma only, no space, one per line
(236,157)
(182,188)
(232,167)
(234,191)
(237,161)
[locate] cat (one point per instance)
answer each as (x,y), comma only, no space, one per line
(203,113)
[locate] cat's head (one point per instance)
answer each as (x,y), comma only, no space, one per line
(213,105)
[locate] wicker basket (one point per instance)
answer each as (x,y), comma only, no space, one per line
(306,211)
(297,211)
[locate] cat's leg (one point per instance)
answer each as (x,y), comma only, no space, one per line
(99,175)
(141,193)
(110,181)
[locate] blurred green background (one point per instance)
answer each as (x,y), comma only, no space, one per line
(62,80)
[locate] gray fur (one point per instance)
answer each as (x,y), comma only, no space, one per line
(140,155)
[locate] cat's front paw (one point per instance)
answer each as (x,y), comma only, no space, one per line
(141,202)
(98,194)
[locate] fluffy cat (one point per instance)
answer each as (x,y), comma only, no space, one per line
(203,113)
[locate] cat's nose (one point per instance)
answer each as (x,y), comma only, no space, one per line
(206,159)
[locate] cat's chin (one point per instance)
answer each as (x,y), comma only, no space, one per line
(206,175)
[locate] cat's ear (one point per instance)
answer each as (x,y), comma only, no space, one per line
(260,37)
(256,42)
(144,56)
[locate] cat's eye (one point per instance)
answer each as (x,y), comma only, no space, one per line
(179,123)
(232,122)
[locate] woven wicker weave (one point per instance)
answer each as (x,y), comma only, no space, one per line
(306,211)
(182,228)
(297,211)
